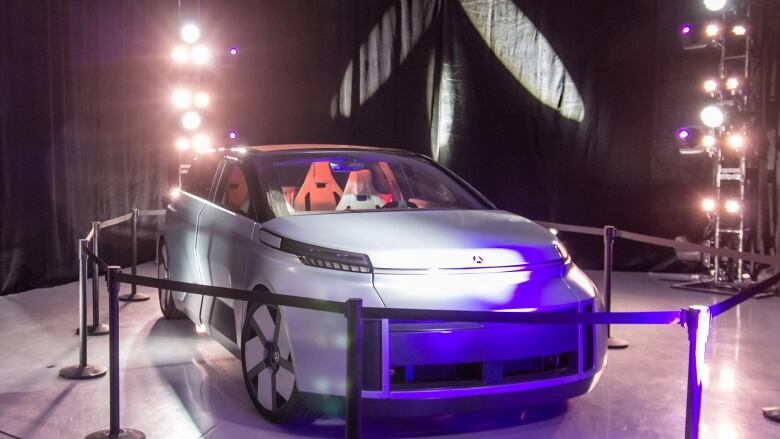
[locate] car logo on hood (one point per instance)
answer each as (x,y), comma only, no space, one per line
(478,259)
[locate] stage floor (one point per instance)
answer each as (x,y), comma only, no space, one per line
(180,384)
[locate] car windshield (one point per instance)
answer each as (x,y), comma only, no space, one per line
(304,182)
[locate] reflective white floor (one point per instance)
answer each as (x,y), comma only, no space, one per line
(179,384)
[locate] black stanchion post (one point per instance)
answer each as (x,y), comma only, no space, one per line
(693,405)
(82,370)
(96,328)
(609,245)
(353,398)
(133,296)
(115,431)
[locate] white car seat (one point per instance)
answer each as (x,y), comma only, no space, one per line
(359,193)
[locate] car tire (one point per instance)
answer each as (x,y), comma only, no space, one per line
(167,306)
(267,363)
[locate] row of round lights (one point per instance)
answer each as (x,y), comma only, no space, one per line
(189,100)
(709,205)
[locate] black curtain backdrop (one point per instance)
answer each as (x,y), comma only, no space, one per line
(558,110)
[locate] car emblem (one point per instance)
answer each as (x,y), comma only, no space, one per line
(478,259)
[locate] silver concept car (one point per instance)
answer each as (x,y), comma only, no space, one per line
(399,231)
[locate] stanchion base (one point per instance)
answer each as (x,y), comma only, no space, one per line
(616,343)
(101,329)
(772,413)
(137,297)
(82,373)
(124,433)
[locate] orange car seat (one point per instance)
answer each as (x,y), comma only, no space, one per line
(359,193)
(237,192)
(319,190)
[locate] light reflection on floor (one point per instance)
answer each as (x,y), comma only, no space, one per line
(178,383)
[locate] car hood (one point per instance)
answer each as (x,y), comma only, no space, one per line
(425,239)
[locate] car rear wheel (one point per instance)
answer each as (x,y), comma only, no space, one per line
(167,306)
(268,367)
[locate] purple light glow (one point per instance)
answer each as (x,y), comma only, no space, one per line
(683,134)
(233,135)
(234,50)
(685,29)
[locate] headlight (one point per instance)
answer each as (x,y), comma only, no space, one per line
(315,256)
(562,250)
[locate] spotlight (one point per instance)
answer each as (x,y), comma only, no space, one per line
(174,193)
(182,143)
(233,51)
(201,142)
(739,30)
(233,134)
(180,54)
(735,141)
(732,206)
(708,205)
(715,5)
(712,30)
(685,29)
(190,33)
(732,84)
(202,99)
(182,98)
(710,86)
(689,140)
(712,116)
(708,142)
(200,55)
(191,120)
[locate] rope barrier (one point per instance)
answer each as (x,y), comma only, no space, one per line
(152,212)
(664,242)
(115,221)
(747,293)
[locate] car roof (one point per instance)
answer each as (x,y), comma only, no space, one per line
(304,147)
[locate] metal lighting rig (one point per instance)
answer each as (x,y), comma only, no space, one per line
(729,136)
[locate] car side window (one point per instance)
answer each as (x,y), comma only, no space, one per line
(233,192)
(199,179)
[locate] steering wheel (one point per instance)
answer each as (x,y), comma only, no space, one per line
(402,204)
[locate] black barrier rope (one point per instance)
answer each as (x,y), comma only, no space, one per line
(747,293)
(696,319)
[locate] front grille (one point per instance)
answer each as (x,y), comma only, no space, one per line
(463,375)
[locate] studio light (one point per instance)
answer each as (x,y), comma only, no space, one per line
(732,206)
(201,142)
(710,86)
(739,30)
(174,193)
(689,140)
(712,116)
(182,143)
(708,205)
(202,99)
(712,30)
(708,142)
(180,54)
(732,84)
(182,98)
(715,5)
(233,51)
(200,55)
(735,141)
(191,120)
(233,134)
(190,33)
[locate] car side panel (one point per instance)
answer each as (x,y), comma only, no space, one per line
(224,251)
(180,235)
(318,339)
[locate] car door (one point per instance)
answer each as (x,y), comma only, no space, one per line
(225,232)
(181,227)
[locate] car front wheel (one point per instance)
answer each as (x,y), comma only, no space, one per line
(268,367)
